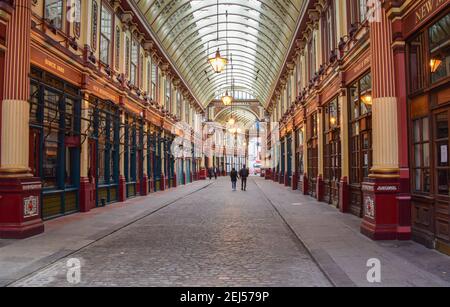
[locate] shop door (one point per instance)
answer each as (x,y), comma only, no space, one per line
(93,167)
(289,160)
(332,160)
(313,154)
(442,177)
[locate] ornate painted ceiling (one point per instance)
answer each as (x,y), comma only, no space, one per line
(258,32)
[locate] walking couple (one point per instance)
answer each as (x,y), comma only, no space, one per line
(243,174)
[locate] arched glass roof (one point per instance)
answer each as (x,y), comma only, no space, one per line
(242,115)
(259,34)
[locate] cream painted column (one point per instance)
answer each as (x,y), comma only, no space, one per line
(84,160)
(15,108)
(384,109)
(344,120)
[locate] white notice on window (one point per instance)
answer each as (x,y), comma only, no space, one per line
(444,154)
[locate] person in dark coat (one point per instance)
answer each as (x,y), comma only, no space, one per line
(244,173)
(210,173)
(234,178)
(216,172)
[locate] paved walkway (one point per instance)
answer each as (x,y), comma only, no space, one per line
(335,241)
(206,235)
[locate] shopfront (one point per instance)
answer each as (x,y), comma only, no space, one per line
(332,152)
(283,161)
(104,146)
(428,71)
(360,139)
(133,155)
(313,153)
(288,173)
(299,157)
(55,118)
(151,156)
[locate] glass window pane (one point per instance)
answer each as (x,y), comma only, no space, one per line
(417,158)
(426,129)
(416,131)
(417,180)
(439,35)
(442,125)
(443,182)
(50,159)
(54,12)
(426,155)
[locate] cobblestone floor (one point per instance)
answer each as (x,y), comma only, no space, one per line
(213,237)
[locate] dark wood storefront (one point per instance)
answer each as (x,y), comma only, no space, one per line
(55,109)
(428,71)
(332,152)
(360,139)
(104,144)
(313,153)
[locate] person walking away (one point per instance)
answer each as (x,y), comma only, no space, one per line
(234,178)
(210,173)
(244,173)
(216,171)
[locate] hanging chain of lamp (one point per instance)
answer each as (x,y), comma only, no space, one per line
(227,99)
(218,63)
(232,121)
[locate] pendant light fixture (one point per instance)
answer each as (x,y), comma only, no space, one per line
(227,99)
(218,62)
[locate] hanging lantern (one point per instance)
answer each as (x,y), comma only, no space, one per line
(232,121)
(333,120)
(218,63)
(227,99)
(434,64)
(366,98)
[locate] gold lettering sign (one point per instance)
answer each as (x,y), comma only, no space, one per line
(104,93)
(54,66)
(427,8)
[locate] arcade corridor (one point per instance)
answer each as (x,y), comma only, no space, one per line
(205,235)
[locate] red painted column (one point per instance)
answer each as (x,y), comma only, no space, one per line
(20,193)
(382,188)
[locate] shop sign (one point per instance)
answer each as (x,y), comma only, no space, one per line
(54,66)
(30,206)
(103,93)
(422,13)
(356,70)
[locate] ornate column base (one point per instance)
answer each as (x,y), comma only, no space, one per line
(202,174)
(320,188)
(175,183)
(87,195)
(122,189)
(268,174)
(381,213)
(294,181)
(20,208)
(344,201)
(305,185)
(286,180)
(144,186)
